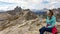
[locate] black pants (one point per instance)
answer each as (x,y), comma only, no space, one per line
(43,29)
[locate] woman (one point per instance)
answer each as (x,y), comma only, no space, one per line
(51,21)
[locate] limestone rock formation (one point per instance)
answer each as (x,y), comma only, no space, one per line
(21,22)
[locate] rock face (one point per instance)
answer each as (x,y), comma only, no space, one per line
(21,22)
(3,20)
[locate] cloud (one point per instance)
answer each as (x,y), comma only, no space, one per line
(31,4)
(12,1)
(45,2)
(6,3)
(50,4)
(7,7)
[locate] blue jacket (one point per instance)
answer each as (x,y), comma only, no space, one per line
(52,21)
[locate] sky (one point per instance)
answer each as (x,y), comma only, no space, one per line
(29,4)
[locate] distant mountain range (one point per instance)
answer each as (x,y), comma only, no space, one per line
(43,11)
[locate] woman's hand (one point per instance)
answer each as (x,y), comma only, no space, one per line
(47,25)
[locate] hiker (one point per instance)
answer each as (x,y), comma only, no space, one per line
(51,24)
